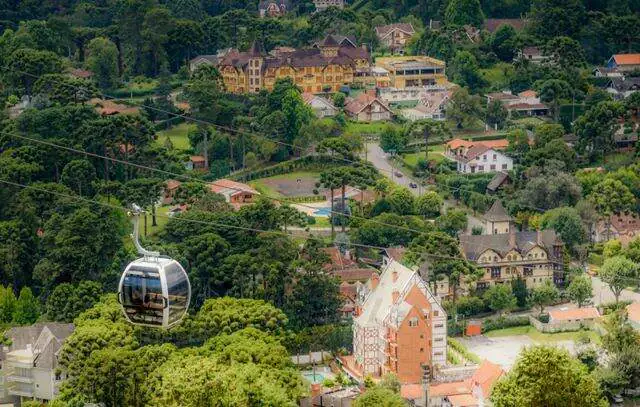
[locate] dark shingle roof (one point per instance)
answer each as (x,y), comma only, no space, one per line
(492,24)
(497,180)
(497,213)
(386,29)
(474,245)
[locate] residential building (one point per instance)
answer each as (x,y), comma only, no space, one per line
(80,73)
(431,106)
(477,158)
(273,8)
(535,256)
(342,40)
(399,327)
(471,392)
(496,220)
(413,71)
(367,108)
(203,60)
(321,106)
(170,188)
(323,69)
(533,54)
(633,315)
(498,181)
(322,5)
(624,62)
(524,103)
(235,193)
(395,36)
(571,315)
(196,162)
(30,363)
(606,72)
(623,86)
(623,227)
(372,77)
(106,107)
(492,24)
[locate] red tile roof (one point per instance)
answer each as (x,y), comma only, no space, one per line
(457,143)
(633,311)
(226,185)
(411,391)
(574,314)
(627,59)
(449,389)
(487,374)
(197,159)
(463,400)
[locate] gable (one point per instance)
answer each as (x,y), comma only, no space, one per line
(489,256)
(416,298)
(536,252)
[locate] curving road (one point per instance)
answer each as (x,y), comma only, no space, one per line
(378,158)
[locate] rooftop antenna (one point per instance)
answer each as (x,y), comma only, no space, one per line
(135,213)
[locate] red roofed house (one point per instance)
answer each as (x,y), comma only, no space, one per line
(395,36)
(196,162)
(399,327)
(624,62)
(367,108)
(479,157)
(170,188)
(587,314)
(525,103)
(235,193)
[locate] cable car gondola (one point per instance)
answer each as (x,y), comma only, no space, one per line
(154,290)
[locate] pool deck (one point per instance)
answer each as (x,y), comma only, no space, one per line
(310,208)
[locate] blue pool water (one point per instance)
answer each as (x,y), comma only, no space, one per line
(322,212)
(318,378)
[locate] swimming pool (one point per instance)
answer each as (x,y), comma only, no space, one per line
(326,212)
(317,378)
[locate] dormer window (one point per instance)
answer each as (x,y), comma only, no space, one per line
(413,322)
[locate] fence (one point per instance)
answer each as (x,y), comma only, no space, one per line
(561,326)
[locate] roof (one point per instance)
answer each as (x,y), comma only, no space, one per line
(396,253)
(210,58)
(623,84)
(625,223)
(633,311)
(109,107)
(487,374)
(476,150)
(534,51)
(449,389)
(474,245)
(411,391)
(627,59)
(529,93)
(384,30)
(527,106)
(463,400)
(329,41)
(497,213)
(574,314)
(308,98)
(81,73)
(492,24)
(41,341)
(230,188)
(457,143)
(196,159)
(502,96)
(496,144)
(354,274)
(362,101)
(498,179)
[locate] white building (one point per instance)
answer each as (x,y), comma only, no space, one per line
(30,363)
(321,106)
(480,158)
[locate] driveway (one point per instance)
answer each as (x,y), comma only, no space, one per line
(504,350)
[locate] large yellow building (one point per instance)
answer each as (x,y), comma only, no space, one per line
(324,68)
(413,71)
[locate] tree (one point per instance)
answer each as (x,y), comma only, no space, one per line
(429,204)
(580,290)
(547,191)
(465,71)
(547,132)
(462,12)
(288,215)
(202,91)
(619,273)
(547,376)
(519,290)
(338,99)
(567,223)
(64,89)
(26,65)
(500,298)
(390,382)
(27,309)
(79,176)
(553,91)
(392,140)
(504,42)
(378,396)
(67,301)
(401,201)
(596,128)
(611,197)
(145,192)
(556,150)
(543,295)
(315,298)
(554,18)
(452,222)
(463,108)
(102,60)
(296,114)
(565,52)
(496,114)
(7,304)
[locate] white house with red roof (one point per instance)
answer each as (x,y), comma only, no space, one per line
(624,62)
(478,157)
(235,193)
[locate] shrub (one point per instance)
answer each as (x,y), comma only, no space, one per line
(472,357)
(544,318)
(469,306)
(491,324)
(610,307)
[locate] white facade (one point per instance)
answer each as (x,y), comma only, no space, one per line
(486,162)
(322,107)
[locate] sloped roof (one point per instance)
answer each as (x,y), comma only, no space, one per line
(574,314)
(633,311)
(487,374)
(498,179)
(627,59)
(476,150)
(384,30)
(492,24)
(329,41)
(449,389)
(228,187)
(625,223)
(363,100)
(529,93)
(457,142)
(463,400)
(534,51)
(211,58)
(474,245)
(497,213)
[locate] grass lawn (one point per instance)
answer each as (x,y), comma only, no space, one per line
(537,336)
(496,74)
(268,186)
(161,219)
(178,135)
(365,128)
(411,159)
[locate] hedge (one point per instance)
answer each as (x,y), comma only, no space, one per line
(307,198)
(307,162)
(472,357)
(491,324)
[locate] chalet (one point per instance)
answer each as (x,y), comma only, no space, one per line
(533,54)
(623,86)
(524,103)
(478,157)
(623,227)
(342,40)
(196,162)
(624,62)
(273,8)
(203,60)
(321,106)
(235,193)
(170,188)
(367,108)
(395,36)
(497,220)
(399,327)
(430,106)
(587,314)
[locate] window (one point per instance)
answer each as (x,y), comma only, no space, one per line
(504,166)
(438,339)
(421,349)
(493,167)
(495,157)
(421,336)
(438,353)
(484,157)
(413,321)
(436,313)
(438,326)
(480,167)
(495,272)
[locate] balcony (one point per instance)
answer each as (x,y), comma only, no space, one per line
(19,379)
(20,392)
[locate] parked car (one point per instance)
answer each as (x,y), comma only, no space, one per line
(398,174)
(413,185)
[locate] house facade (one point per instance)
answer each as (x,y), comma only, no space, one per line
(534,256)
(399,327)
(624,62)
(413,71)
(497,220)
(395,36)
(321,106)
(526,103)
(479,158)
(322,5)
(367,108)
(202,60)
(30,362)
(323,69)
(273,8)
(235,193)
(623,227)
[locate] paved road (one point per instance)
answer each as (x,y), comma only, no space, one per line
(602,294)
(378,158)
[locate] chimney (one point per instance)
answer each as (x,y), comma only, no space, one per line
(395,295)
(512,238)
(316,389)
(395,276)
(375,279)
(347,254)
(539,237)
(364,47)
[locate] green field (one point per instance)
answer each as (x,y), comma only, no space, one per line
(411,159)
(365,128)
(178,135)
(287,184)
(537,336)
(497,75)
